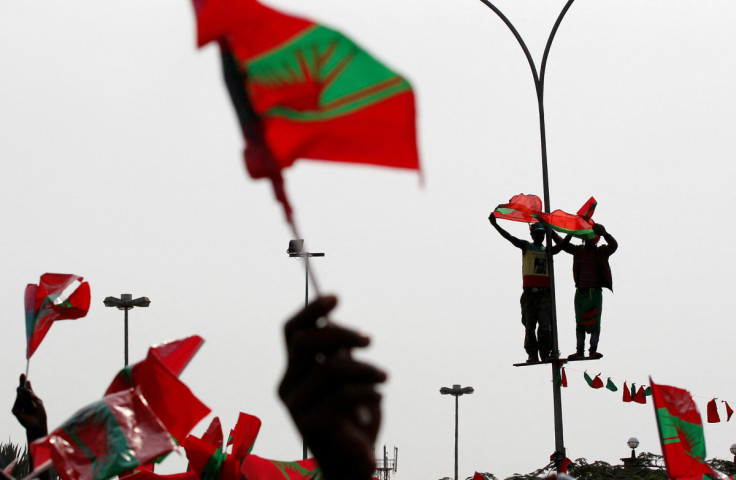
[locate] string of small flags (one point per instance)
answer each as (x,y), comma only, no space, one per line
(640,394)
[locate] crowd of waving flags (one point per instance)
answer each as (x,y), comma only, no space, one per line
(528,208)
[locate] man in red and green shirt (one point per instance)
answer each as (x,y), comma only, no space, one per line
(536,301)
(591,272)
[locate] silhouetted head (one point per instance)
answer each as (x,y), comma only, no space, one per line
(537,231)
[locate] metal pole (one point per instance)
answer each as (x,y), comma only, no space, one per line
(456,404)
(126,337)
(306,302)
(539,87)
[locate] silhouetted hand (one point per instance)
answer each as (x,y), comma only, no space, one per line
(492,218)
(331,396)
(29,411)
(599,229)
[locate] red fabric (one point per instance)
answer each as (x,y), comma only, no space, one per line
(597,382)
(478,476)
(213,435)
(148,468)
(627,393)
(244,435)
(54,298)
(639,397)
(96,450)
(729,411)
(198,453)
(146,475)
(174,355)
(564,377)
(257,468)
(712,408)
(169,398)
(586,211)
(525,208)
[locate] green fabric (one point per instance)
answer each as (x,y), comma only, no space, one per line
(588,307)
(352,78)
(611,386)
(674,430)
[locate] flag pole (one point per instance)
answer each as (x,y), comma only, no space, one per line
(559,454)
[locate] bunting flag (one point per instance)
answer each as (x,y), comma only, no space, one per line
(105,438)
(610,385)
(729,411)
(168,397)
(57,296)
(302,90)
(478,476)
(521,208)
(680,433)
(561,378)
(593,382)
(639,397)
(257,468)
(648,391)
(627,394)
(712,411)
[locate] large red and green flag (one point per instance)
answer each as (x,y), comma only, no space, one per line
(105,438)
(579,225)
(521,208)
(258,468)
(680,433)
(302,90)
(169,398)
(57,296)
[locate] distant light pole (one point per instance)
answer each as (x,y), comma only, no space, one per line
(296,250)
(456,391)
(630,462)
(126,302)
(733,450)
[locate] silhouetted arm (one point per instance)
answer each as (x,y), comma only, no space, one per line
(518,243)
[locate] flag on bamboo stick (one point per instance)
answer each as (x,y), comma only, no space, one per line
(105,438)
(521,208)
(257,468)
(302,90)
(680,432)
(57,296)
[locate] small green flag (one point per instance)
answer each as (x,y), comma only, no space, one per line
(611,386)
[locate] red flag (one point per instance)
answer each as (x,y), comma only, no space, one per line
(244,435)
(627,393)
(639,397)
(729,411)
(213,435)
(564,377)
(104,439)
(302,90)
(175,355)
(680,432)
(146,475)
(593,382)
(478,476)
(713,412)
(257,468)
(521,208)
(57,296)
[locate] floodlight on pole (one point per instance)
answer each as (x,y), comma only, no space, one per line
(296,250)
(633,442)
(456,391)
(125,303)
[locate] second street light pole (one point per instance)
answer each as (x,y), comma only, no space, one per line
(456,391)
(296,250)
(126,302)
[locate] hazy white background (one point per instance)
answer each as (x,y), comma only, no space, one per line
(121,161)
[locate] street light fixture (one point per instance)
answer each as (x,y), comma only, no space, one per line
(733,450)
(456,391)
(296,250)
(126,302)
(633,442)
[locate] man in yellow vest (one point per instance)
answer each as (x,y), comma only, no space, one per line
(536,301)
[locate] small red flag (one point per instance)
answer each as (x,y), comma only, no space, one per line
(627,393)
(244,435)
(564,377)
(478,476)
(713,416)
(58,296)
(639,397)
(729,411)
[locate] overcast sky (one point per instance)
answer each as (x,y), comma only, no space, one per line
(121,161)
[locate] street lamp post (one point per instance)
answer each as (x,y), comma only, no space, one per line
(630,462)
(456,391)
(126,302)
(733,451)
(296,250)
